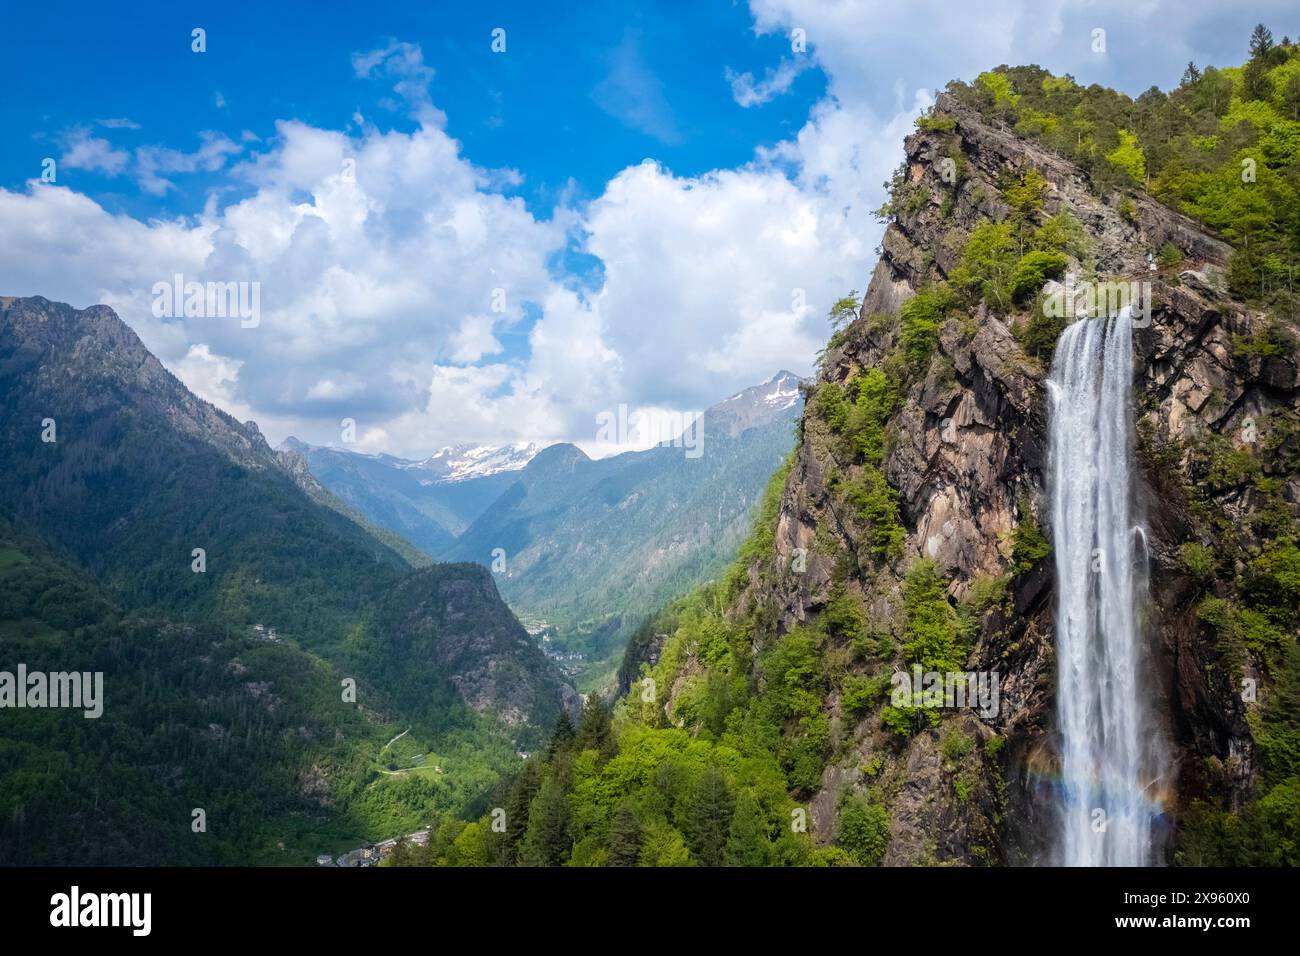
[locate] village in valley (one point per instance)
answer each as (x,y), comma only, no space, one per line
(373,853)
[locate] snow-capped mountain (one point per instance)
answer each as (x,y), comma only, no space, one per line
(757,404)
(459,462)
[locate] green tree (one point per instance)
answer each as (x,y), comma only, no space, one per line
(522,792)
(931,624)
(1129,157)
(748,843)
(863,830)
(594,730)
(709,816)
(561,737)
(1261,41)
(845,310)
(987,263)
(1026,197)
(547,842)
(624,835)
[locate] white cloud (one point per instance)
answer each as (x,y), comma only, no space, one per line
(329,390)
(210,377)
(93,154)
(379,252)
(367,271)
(748,93)
(473,340)
(404,63)
(153,161)
(707,279)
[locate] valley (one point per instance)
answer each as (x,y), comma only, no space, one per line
(1011,579)
(587,546)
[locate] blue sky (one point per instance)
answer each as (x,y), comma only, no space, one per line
(634,203)
(582,91)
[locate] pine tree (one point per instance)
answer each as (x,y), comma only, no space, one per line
(1191,75)
(624,836)
(709,816)
(594,731)
(547,842)
(1261,41)
(517,806)
(748,844)
(561,736)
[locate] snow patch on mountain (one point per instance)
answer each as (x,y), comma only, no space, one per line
(459,462)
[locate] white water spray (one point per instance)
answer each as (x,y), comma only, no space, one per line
(1110,756)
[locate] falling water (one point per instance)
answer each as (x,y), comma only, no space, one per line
(1109,760)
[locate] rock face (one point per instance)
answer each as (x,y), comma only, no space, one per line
(451,617)
(966,452)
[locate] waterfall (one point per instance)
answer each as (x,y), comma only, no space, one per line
(1110,758)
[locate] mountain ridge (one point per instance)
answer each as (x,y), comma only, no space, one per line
(180,512)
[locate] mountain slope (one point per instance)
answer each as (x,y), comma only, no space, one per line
(421,501)
(139,473)
(248,730)
(594,546)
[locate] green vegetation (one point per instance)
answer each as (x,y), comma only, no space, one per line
(987,264)
(931,633)
(1267,831)
(1197,560)
(256,731)
(1252,615)
(1028,544)
(1032,271)
(863,831)
(1224,147)
(921,317)
(845,310)
(1129,157)
(936,124)
(703,760)
(857,413)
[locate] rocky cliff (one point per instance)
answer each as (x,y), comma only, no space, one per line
(923,457)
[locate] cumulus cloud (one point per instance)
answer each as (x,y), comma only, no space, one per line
(392,270)
(373,252)
(211,377)
(710,282)
(474,339)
